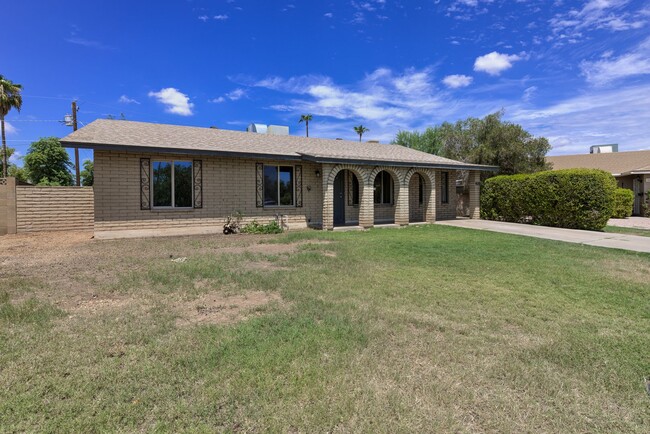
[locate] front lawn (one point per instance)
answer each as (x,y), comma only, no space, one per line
(424,329)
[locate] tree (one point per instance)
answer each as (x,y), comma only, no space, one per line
(361,130)
(88,174)
(9,98)
(490,140)
(48,163)
(13,170)
(430,141)
(306,119)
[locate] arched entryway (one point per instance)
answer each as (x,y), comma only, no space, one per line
(385,190)
(346,198)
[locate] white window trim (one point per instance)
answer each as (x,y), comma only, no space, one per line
(293,186)
(153,197)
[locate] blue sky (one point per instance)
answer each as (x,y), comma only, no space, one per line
(577,72)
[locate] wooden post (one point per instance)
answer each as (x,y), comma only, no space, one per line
(76,149)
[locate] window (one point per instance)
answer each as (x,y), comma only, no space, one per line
(421,190)
(354,189)
(278,185)
(172,184)
(383,188)
(444,184)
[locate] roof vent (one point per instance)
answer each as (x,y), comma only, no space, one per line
(338,138)
(603,149)
(257,128)
(276,130)
(373,141)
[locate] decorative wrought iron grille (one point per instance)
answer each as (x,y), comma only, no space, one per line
(298,186)
(197,169)
(3,181)
(145,183)
(259,185)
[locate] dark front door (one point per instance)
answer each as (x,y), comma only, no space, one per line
(339,199)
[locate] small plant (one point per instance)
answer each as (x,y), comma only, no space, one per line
(256,228)
(233,223)
(623,203)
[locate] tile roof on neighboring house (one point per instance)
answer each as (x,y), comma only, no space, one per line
(617,163)
(149,137)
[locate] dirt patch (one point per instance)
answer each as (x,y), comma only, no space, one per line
(271,248)
(262,266)
(217,308)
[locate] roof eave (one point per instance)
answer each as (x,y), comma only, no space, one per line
(365,162)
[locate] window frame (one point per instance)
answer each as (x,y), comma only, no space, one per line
(293,185)
(444,186)
(173,185)
(381,195)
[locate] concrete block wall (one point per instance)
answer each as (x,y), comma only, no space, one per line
(53,208)
(446,211)
(229,185)
(7,206)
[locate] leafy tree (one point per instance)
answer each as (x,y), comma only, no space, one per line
(48,163)
(9,98)
(13,170)
(306,119)
(489,140)
(361,130)
(429,141)
(88,174)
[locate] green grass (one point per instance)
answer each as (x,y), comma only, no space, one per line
(629,231)
(424,329)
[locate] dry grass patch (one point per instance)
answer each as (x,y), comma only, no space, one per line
(217,308)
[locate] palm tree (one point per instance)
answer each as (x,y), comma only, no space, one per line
(9,98)
(360,130)
(305,119)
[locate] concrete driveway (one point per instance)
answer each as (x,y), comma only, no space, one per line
(601,239)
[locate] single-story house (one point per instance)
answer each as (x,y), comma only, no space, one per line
(631,170)
(155,176)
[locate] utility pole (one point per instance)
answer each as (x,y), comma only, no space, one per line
(76,149)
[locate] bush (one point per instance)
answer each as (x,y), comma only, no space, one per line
(573,198)
(257,228)
(623,203)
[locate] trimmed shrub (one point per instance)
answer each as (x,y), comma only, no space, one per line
(573,198)
(623,203)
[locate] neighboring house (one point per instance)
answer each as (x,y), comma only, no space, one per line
(631,169)
(163,176)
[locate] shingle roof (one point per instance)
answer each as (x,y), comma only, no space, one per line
(617,163)
(142,136)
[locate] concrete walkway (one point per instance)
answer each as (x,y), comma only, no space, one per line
(631,222)
(590,238)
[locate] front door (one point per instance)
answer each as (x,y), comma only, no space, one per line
(339,199)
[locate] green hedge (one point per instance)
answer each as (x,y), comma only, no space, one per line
(573,198)
(623,203)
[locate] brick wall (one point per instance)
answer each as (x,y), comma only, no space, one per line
(228,186)
(53,208)
(446,211)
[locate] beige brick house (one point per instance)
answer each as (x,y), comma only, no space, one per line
(150,176)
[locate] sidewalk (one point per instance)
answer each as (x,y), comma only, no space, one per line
(600,239)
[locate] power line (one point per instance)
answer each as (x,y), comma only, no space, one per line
(32,120)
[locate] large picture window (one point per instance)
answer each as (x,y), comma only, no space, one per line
(278,185)
(444,184)
(383,188)
(172,184)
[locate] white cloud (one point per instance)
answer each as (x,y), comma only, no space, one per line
(15,157)
(234,95)
(10,129)
(328,15)
(456,80)
(495,63)
(594,15)
(204,18)
(599,116)
(529,92)
(175,101)
(126,100)
(609,69)
(223,17)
